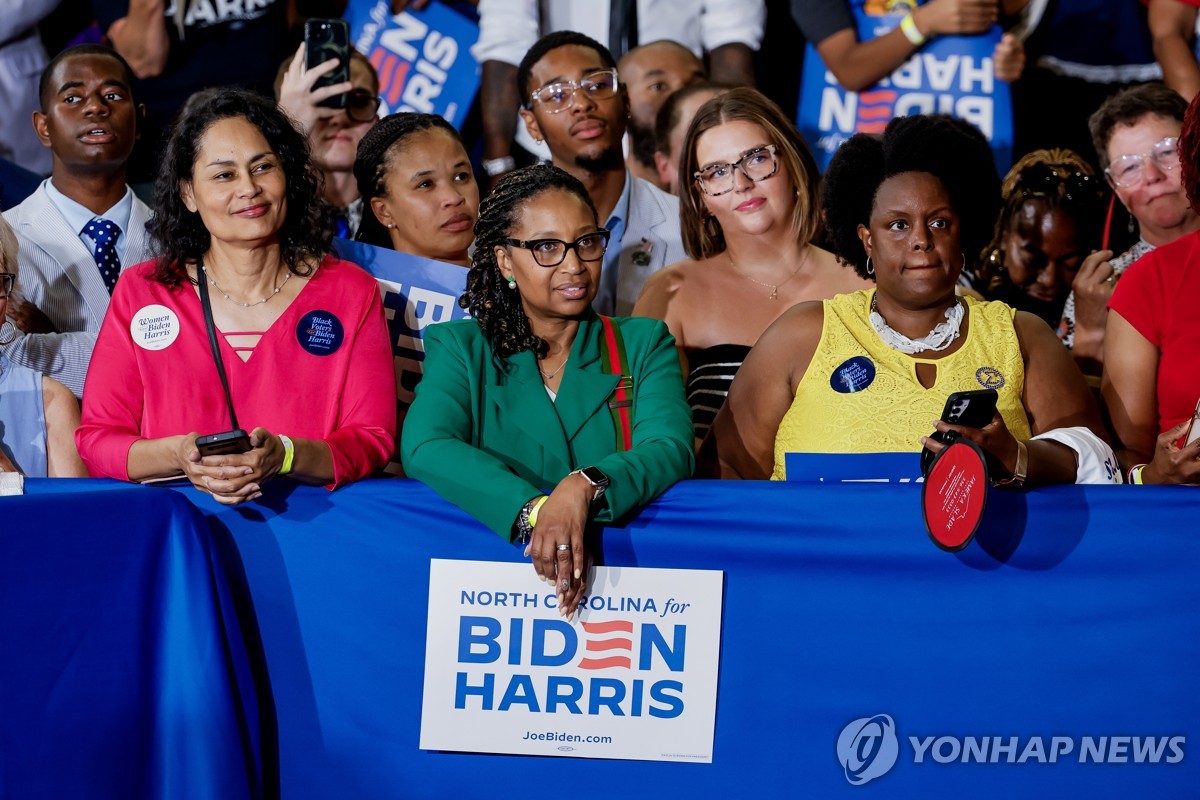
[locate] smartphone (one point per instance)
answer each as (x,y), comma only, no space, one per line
(325,39)
(220,444)
(970,409)
(1194,430)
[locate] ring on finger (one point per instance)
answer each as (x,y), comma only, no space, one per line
(563,547)
(1111,280)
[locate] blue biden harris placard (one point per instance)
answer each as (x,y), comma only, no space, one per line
(634,676)
(950,75)
(423,57)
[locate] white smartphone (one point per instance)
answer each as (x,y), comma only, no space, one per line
(1194,431)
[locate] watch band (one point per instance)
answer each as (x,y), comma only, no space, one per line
(1021,471)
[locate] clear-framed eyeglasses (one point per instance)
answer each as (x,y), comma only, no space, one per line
(552,252)
(556,97)
(1129,172)
(7,281)
(757,165)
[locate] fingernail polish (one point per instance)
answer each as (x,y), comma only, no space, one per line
(577,574)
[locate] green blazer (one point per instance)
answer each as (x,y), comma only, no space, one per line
(489,440)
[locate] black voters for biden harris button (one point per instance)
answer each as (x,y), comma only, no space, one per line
(320,333)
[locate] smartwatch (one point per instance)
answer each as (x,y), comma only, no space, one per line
(596,478)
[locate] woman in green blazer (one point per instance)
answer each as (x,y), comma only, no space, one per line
(512,419)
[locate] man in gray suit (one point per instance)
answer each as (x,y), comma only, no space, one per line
(574,101)
(83,225)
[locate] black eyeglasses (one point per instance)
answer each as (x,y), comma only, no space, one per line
(361,105)
(1040,180)
(552,252)
(7,282)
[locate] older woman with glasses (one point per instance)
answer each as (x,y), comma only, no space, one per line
(38,415)
(750,207)
(333,133)
(1136,133)
(1049,223)
(538,417)
(1152,336)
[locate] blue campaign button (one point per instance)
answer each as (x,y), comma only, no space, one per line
(320,333)
(853,375)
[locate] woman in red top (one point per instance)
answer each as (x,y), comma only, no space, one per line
(1151,340)
(302,336)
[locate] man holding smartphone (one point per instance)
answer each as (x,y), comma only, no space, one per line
(333,133)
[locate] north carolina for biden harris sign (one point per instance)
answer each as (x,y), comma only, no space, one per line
(634,676)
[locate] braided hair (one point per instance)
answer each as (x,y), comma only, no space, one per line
(374,161)
(1057,178)
(179,235)
(951,150)
(494,306)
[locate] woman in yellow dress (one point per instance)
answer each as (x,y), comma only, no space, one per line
(870,371)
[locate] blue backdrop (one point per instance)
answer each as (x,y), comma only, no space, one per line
(1074,615)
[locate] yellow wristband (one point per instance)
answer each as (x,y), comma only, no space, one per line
(289,454)
(533,512)
(908,26)
(1135,474)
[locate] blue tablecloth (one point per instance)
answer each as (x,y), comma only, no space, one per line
(1075,615)
(123,669)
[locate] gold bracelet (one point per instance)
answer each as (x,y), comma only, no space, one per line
(1021,470)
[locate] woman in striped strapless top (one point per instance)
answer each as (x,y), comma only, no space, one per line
(749,208)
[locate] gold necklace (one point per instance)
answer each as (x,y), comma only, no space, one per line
(774,287)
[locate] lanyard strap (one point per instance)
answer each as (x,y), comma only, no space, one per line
(202,279)
(616,362)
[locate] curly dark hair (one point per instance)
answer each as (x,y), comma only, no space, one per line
(374,161)
(1189,154)
(179,234)
(494,306)
(951,150)
(553,41)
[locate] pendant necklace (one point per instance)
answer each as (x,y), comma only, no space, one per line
(774,287)
(546,376)
(939,338)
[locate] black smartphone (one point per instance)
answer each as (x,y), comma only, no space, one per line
(220,444)
(972,409)
(325,39)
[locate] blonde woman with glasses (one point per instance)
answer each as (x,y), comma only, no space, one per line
(749,195)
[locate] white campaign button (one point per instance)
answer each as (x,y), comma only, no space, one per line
(154,327)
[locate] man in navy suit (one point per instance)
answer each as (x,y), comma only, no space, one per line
(83,224)
(573,100)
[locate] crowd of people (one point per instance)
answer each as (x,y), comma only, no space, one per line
(669,288)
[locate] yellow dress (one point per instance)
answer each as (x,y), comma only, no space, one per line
(861,396)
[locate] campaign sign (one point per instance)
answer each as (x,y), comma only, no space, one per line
(423,57)
(417,292)
(950,75)
(853,467)
(633,677)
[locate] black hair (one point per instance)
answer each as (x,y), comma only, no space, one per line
(553,41)
(951,150)
(1128,106)
(179,234)
(46,91)
(374,160)
(494,306)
